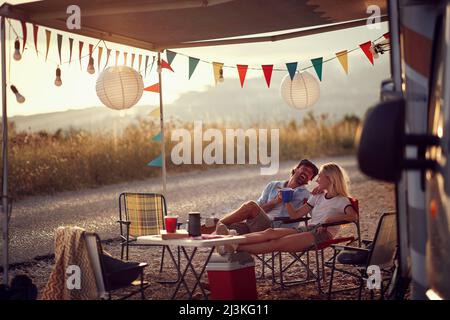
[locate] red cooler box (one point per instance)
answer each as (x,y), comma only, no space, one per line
(232,277)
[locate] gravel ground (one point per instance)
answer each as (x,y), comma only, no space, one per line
(213,191)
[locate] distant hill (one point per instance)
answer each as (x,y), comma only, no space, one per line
(228,102)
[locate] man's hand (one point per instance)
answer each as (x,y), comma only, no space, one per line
(278,198)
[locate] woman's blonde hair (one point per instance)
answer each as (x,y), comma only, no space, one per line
(338,179)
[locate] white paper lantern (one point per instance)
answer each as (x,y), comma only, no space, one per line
(119,87)
(302,92)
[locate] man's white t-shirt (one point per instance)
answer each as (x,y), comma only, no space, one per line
(323,207)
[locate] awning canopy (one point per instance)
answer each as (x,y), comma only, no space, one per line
(161,24)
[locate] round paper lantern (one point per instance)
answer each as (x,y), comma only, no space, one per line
(119,87)
(302,92)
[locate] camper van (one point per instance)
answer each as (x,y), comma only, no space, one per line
(406,140)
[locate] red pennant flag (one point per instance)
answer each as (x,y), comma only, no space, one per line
(70,49)
(24,33)
(125,55)
(153,88)
(164,64)
(35,36)
(386,35)
(80,46)
(365,47)
(242,70)
(267,69)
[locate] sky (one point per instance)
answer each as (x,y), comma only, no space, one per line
(34,77)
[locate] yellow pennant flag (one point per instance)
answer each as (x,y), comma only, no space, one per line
(343,59)
(218,71)
(155,113)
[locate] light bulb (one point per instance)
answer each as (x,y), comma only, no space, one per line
(17,56)
(90,68)
(20,98)
(58,81)
(221,75)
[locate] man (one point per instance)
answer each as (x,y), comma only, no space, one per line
(258,215)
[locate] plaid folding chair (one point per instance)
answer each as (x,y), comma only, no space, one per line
(380,252)
(141,214)
(318,253)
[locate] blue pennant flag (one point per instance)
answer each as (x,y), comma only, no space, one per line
(292,68)
(157,137)
(157,162)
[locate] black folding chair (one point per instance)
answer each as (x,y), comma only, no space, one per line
(379,252)
(113,274)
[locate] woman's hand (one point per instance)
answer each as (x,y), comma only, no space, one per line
(317,190)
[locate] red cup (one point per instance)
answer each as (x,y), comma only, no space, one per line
(171,223)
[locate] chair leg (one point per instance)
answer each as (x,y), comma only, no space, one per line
(361,284)
(162,259)
(127,250)
(323,265)
(330,287)
(281,269)
(319,287)
(142,285)
(122,251)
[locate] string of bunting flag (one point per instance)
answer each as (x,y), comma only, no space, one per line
(370,49)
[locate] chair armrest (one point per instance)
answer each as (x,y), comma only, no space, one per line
(348,248)
(338,223)
(124,222)
(287,220)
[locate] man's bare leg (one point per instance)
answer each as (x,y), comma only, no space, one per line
(290,243)
(248,210)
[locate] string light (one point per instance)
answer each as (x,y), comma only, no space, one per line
(20,98)
(17,56)
(90,68)
(58,81)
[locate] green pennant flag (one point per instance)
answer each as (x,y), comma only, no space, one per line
(157,137)
(317,64)
(292,68)
(170,56)
(193,62)
(157,162)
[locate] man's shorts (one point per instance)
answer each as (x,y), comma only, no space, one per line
(259,223)
(318,237)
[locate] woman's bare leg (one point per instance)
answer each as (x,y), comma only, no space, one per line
(289,243)
(268,234)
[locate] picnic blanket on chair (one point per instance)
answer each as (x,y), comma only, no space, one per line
(70,250)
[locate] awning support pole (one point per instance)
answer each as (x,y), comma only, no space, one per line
(5,213)
(161,117)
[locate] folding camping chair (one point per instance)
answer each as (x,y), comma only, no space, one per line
(379,252)
(141,214)
(318,253)
(112,274)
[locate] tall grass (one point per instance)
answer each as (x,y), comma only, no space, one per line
(45,163)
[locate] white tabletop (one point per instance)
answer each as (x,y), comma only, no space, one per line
(188,242)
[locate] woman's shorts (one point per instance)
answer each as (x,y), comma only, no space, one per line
(318,237)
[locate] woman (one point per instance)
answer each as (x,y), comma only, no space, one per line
(331,205)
